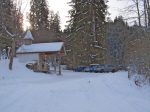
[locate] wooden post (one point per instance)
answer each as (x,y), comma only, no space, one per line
(55,64)
(59,61)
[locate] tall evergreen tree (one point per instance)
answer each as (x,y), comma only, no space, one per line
(9,25)
(117,33)
(87,27)
(6,13)
(55,25)
(10,21)
(39,14)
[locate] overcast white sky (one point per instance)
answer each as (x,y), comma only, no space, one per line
(115,6)
(62,7)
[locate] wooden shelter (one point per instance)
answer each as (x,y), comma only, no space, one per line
(44,55)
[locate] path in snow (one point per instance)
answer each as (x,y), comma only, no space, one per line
(22,90)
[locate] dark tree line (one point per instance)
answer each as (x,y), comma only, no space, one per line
(42,18)
(10,26)
(86,40)
(11,22)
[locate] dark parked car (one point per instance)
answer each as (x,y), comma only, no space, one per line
(79,69)
(104,68)
(93,67)
(110,68)
(121,67)
(97,68)
(87,69)
(100,68)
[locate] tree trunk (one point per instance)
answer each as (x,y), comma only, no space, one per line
(138,10)
(11,63)
(145,12)
(148,12)
(12,54)
(93,24)
(59,66)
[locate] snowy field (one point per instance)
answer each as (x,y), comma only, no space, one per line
(22,90)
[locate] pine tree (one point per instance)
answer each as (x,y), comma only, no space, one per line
(10,21)
(10,25)
(55,25)
(117,32)
(6,13)
(87,26)
(39,15)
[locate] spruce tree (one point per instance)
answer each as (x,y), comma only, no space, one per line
(10,26)
(55,25)
(10,21)
(39,15)
(6,14)
(88,34)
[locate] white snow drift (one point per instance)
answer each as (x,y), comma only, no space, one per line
(22,90)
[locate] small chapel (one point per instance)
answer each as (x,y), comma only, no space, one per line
(43,55)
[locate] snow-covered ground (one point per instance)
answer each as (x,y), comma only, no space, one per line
(22,90)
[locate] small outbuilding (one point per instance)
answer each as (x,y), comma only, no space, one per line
(43,54)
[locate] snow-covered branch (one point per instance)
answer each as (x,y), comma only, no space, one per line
(6,30)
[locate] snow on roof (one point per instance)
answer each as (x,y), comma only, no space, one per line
(41,47)
(28,35)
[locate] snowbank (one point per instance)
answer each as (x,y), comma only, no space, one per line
(22,90)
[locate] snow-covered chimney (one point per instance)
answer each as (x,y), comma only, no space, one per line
(28,38)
